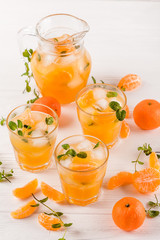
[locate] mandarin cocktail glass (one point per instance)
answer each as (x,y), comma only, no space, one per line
(60,64)
(81,163)
(96,116)
(33,132)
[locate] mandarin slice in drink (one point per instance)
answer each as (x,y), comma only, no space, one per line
(129,82)
(122,178)
(24,211)
(146,180)
(125,130)
(52,193)
(153,161)
(127,111)
(47,221)
(27,190)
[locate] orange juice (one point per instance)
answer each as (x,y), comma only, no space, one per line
(96,116)
(81,162)
(32,136)
(63,70)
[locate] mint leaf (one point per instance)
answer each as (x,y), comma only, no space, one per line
(112,94)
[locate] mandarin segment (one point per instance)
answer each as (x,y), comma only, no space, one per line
(52,193)
(127,111)
(47,221)
(153,161)
(122,178)
(125,130)
(24,211)
(129,82)
(27,190)
(146,180)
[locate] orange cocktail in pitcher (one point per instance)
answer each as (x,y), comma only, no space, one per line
(100,111)
(81,162)
(33,134)
(60,64)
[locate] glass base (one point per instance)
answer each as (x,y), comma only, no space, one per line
(82,202)
(36,169)
(112,144)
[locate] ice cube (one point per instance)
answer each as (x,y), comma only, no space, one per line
(48,59)
(101,104)
(99,93)
(67,59)
(90,110)
(38,142)
(98,153)
(66,163)
(75,82)
(42,126)
(36,116)
(115,100)
(51,128)
(84,146)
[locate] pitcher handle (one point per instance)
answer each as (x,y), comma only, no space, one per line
(22,36)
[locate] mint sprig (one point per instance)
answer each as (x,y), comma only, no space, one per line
(2,121)
(28,73)
(120,114)
(153,213)
(146,149)
(52,212)
(5,175)
(70,152)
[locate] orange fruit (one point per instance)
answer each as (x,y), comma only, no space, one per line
(127,111)
(129,82)
(146,114)
(47,221)
(52,193)
(146,180)
(128,213)
(125,130)
(24,211)
(49,102)
(27,190)
(122,178)
(153,161)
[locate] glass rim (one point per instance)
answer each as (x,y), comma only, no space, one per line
(59,14)
(99,84)
(30,137)
(82,171)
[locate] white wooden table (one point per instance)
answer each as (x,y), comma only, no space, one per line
(124,38)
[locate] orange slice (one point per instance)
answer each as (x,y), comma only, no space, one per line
(122,178)
(127,111)
(153,161)
(47,221)
(125,130)
(27,190)
(146,180)
(24,211)
(52,193)
(129,82)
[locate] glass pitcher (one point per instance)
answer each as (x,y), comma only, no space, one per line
(60,64)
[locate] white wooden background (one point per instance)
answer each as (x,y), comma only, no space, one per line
(124,38)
